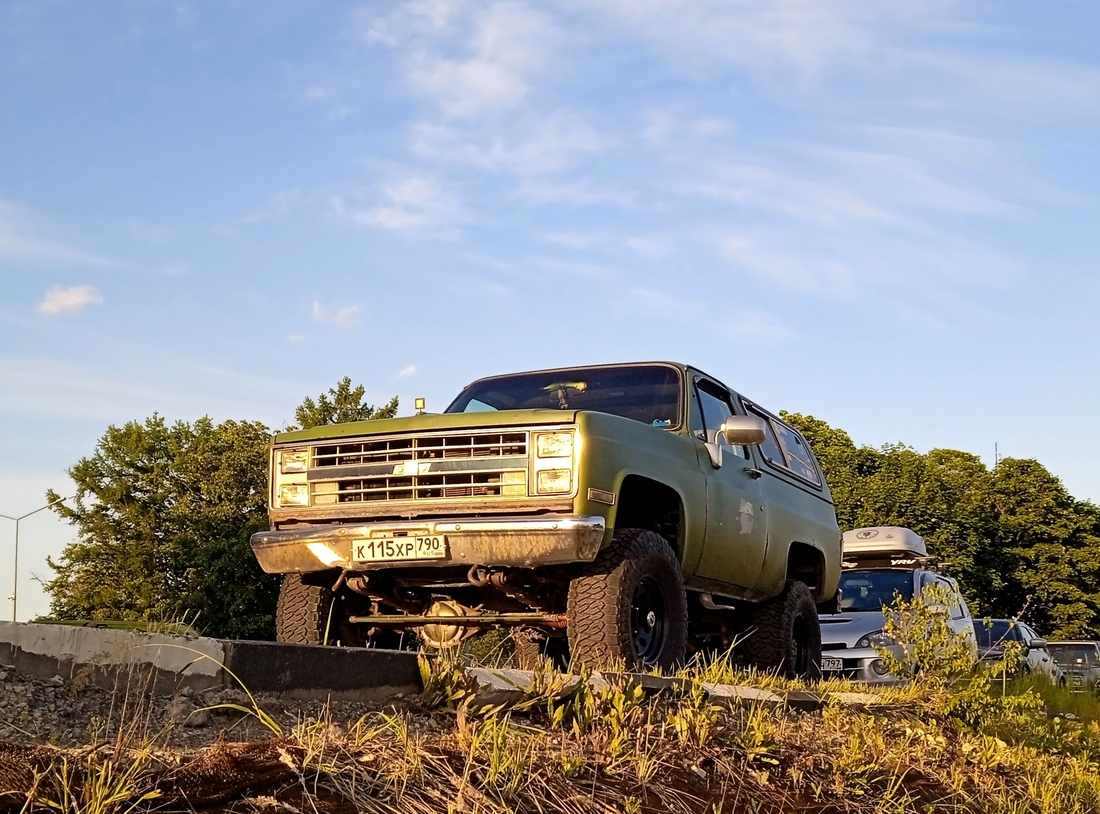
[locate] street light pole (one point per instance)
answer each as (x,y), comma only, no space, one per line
(15,564)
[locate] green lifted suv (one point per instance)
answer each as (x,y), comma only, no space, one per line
(616,514)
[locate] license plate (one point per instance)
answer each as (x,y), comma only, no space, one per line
(390,549)
(832,665)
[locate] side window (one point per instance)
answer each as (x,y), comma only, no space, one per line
(769,448)
(799,459)
(715,406)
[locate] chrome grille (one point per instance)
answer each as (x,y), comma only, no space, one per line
(424,467)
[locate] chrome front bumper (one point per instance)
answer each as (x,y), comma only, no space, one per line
(517,541)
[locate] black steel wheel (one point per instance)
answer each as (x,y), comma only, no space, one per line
(628,607)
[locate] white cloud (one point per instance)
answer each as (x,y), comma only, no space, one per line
(412,204)
(406,372)
(69,300)
(510,41)
(343,316)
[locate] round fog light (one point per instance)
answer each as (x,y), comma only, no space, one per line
(878,667)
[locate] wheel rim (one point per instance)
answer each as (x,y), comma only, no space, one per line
(647,620)
(800,646)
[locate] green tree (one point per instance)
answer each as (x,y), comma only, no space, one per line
(1013,536)
(340,405)
(163,514)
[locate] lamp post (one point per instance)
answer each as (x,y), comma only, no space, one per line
(15,568)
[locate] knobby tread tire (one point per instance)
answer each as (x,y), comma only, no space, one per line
(770,644)
(599,602)
(302,611)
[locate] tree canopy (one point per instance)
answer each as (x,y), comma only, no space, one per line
(340,405)
(163,513)
(1012,535)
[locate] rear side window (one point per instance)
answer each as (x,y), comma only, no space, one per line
(785,448)
(799,459)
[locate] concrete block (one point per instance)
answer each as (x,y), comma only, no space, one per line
(141,662)
(308,672)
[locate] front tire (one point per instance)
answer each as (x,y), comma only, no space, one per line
(785,634)
(302,613)
(629,606)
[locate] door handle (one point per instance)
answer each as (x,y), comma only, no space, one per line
(753,471)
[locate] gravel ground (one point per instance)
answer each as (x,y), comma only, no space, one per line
(73,713)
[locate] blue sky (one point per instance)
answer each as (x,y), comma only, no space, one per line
(882,214)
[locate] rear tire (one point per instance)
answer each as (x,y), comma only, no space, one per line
(302,613)
(785,635)
(629,606)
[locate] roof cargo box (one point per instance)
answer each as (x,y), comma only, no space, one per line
(878,541)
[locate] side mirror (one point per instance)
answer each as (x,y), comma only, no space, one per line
(744,429)
(1036,644)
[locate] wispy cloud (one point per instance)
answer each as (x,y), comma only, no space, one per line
(19,243)
(509,42)
(742,322)
(342,316)
(807,36)
(415,204)
(71,300)
(537,145)
(406,372)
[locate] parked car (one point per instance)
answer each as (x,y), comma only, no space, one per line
(1080,662)
(881,564)
(1034,658)
(616,509)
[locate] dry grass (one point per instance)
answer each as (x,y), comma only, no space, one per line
(971,746)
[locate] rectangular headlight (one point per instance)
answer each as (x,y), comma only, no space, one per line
(551,481)
(293,460)
(554,444)
(294,494)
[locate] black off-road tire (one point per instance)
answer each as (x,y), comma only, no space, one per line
(785,635)
(302,612)
(629,606)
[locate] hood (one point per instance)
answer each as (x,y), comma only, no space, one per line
(429,422)
(847,628)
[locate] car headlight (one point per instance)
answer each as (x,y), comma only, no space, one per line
(293,460)
(875,637)
(554,480)
(554,444)
(294,494)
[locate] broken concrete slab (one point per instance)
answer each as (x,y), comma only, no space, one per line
(162,663)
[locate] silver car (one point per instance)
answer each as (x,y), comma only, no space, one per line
(1034,658)
(1080,661)
(881,564)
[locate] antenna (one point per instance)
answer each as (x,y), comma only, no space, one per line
(996,455)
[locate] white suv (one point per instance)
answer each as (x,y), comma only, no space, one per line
(881,564)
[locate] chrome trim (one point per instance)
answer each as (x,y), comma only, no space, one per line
(518,541)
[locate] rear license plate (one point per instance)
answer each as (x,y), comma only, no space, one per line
(832,665)
(391,549)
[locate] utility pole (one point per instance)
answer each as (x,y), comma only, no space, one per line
(15,565)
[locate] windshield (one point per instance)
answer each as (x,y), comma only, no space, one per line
(646,393)
(871,589)
(995,634)
(1073,653)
